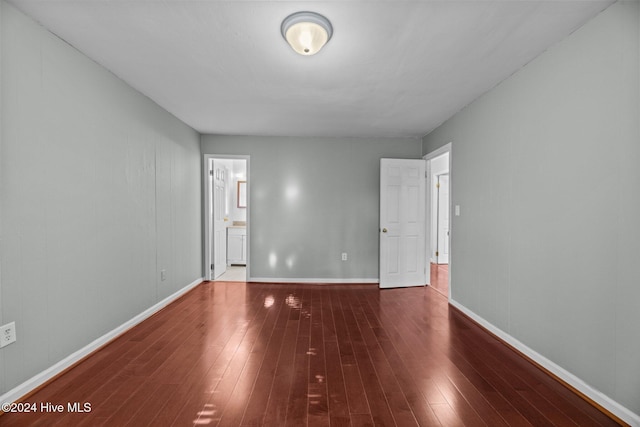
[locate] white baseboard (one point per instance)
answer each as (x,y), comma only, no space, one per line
(31,384)
(598,397)
(309,281)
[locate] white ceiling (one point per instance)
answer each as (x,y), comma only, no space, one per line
(392,68)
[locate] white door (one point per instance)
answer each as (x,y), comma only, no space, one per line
(219,223)
(402,223)
(442,252)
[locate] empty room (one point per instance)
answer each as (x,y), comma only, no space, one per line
(332,213)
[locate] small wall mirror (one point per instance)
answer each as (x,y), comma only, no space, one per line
(242,194)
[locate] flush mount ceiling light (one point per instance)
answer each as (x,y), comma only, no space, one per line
(306,32)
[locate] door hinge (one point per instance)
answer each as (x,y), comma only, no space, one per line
(211,172)
(211,267)
(438,185)
(437,253)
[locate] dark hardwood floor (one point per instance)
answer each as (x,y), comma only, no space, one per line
(238,354)
(440,278)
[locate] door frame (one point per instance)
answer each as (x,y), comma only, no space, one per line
(437,222)
(447,148)
(207,212)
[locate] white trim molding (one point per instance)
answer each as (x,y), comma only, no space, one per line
(596,396)
(446,148)
(18,392)
(311,281)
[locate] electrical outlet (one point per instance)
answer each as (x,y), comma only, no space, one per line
(7,334)
(163,275)
(344,256)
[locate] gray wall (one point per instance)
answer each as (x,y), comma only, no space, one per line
(100,190)
(335,209)
(2,376)
(546,171)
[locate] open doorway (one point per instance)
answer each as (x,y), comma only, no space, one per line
(440,214)
(439,208)
(226,183)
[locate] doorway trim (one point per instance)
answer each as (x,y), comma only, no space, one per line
(208,213)
(439,252)
(447,148)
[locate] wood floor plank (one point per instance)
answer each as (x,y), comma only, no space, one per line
(512,375)
(263,347)
(447,415)
(158,400)
(403,374)
(297,403)
(133,404)
(452,369)
(201,381)
(250,354)
(336,392)
(275,414)
(480,401)
(257,401)
(399,406)
(225,380)
(567,401)
(362,420)
(488,371)
(318,406)
(440,278)
(376,398)
(354,388)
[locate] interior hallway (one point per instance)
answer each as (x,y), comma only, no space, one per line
(240,354)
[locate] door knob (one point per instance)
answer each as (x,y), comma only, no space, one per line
(384,230)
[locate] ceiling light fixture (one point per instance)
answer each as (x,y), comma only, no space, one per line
(306,32)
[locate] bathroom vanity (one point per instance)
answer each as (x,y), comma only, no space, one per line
(236,245)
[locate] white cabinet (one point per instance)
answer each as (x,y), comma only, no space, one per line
(237,245)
